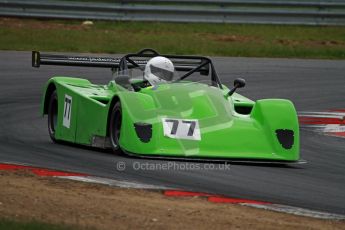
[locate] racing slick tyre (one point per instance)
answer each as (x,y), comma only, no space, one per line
(115,128)
(52,115)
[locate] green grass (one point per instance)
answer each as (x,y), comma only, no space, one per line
(175,38)
(33,225)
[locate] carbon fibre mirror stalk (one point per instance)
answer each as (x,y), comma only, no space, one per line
(238,83)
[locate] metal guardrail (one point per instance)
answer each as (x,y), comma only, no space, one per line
(307,12)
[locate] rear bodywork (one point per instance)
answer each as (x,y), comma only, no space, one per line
(229,127)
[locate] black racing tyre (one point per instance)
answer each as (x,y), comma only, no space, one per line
(52,115)
(115,127)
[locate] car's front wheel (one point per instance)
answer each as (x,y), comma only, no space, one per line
(52,115)
(115,127)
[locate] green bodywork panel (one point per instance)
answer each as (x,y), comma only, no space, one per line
(225,130)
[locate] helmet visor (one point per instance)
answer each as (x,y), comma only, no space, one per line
(162,73)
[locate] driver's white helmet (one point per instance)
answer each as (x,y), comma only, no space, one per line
(159,70)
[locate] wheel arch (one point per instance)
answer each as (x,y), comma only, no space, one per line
(49,90)
(114,100)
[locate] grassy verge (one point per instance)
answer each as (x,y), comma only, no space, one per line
(6,224)
(175,38)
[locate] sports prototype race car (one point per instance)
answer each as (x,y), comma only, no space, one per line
(166,106)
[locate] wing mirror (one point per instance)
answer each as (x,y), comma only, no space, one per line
(238,83)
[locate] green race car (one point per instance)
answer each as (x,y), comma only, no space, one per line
(170,106)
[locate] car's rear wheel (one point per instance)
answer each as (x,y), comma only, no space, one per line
(115,127)
(52,115)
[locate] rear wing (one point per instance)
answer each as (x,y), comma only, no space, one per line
(39,59)
(181,63)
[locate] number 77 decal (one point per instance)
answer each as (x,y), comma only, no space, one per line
(181,129)
(67,110)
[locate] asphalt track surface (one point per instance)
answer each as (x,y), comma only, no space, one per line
(312,85)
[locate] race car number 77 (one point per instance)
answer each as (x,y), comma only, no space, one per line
(181,129)
(67,111)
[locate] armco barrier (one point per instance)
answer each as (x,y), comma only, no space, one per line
(305,12)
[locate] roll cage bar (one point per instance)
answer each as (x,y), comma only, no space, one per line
(183,63)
